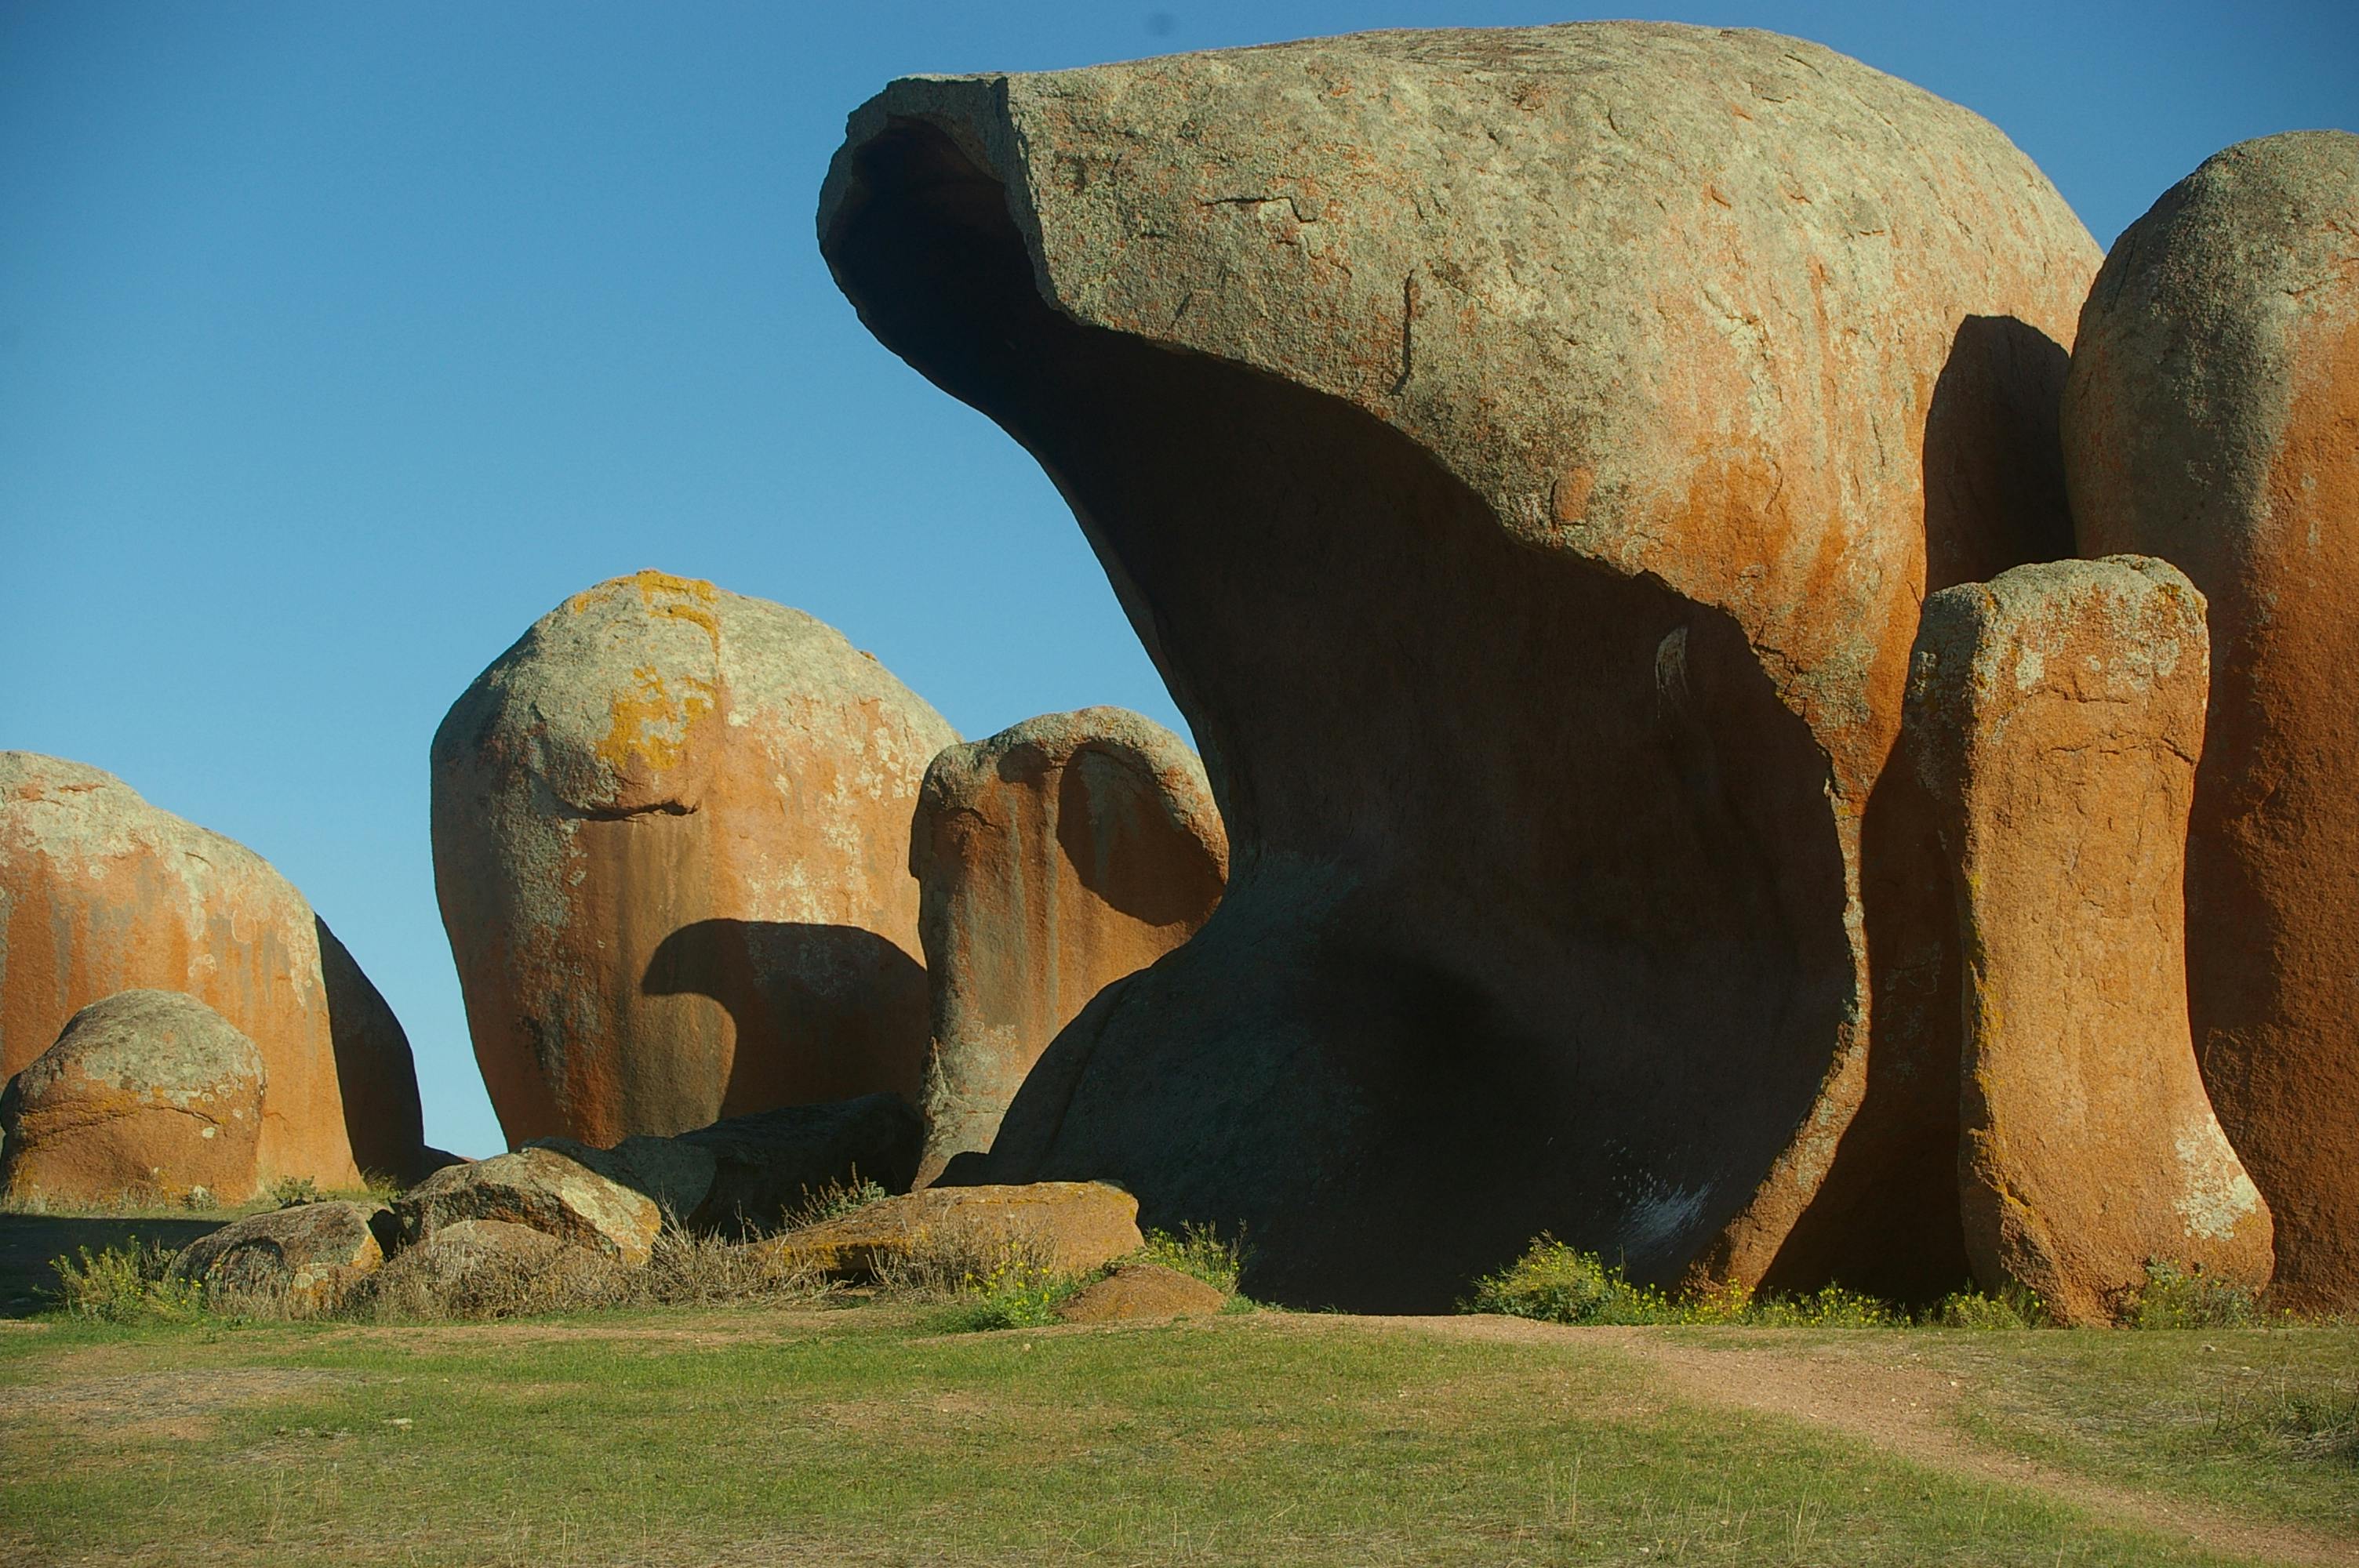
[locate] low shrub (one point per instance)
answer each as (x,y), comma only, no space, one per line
(2177,1297)
(1556,1283)
(2015,1307)
(294,1191)
(1199,1251)
(833,1200)
(125,1284)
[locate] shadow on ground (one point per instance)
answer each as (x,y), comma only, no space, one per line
(28,1242)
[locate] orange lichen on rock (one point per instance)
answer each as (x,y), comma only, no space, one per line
(671,831)
(1052,859)
(2056,713)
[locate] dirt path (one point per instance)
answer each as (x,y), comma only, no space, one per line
(1903,1408)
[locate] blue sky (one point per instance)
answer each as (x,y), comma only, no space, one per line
(340,341)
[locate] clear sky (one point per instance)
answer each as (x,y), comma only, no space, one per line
(340,341)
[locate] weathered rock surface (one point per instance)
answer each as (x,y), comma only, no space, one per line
(102,892)
(1142,1292)
(540,1188)
(146,1092)
(1077,1225)
(1052,859)
(2210,420)
(489,1267)
(746,1175)
(1523,453)
(671,831)
(2056,714)
(312,1254)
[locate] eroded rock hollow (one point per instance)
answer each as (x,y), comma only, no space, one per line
(1523,454)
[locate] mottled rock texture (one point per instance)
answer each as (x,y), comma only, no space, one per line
(1523,453)
(145,1093)
(489,1267)
(540,1188)
(312,1254)
(671,836)
(1142,1292)
(1077,1225)
(101,891)
(1052,860)
(2056,713)
(747,1176)
(2212,419)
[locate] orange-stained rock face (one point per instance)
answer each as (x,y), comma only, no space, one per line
(148,1095)
(2056,712)
(1052,859)
(101,891)
(671,836)
(1523,453)
(2212,419)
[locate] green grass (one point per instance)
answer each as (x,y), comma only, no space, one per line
(859,1435)
(1554,1284)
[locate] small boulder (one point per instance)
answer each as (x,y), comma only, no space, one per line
(489,1267)
(1143,1291)
(145,1092)
(540,1188)
(312,1254)
(2056,712)
(1080,1225)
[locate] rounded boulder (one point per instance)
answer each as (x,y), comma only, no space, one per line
(147,1094)
(671,836)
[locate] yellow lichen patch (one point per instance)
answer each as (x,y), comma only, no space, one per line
(653,724)
(685,599)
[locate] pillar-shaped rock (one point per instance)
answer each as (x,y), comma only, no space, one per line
(671,841)
(1523,454)
(2212,419)
(2056,713)
(1052,859)
(102,892)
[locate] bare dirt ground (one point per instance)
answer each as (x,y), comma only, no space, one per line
(1875,1392)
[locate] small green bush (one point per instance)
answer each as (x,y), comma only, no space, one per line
(1555,1284)
(294,1191)
(2176,1297)
(125,1284)
(833,1200)
(2013,1308)
(1199,1251)
(1016,1292)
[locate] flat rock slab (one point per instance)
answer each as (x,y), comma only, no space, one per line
(540,1189)
(1142,1292)
(1080,1225)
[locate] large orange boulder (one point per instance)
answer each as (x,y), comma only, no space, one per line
(1052,859)
(1523,453)
(2212,419)
(102,892)
(147,1095)
(671,841)
(2059,710)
